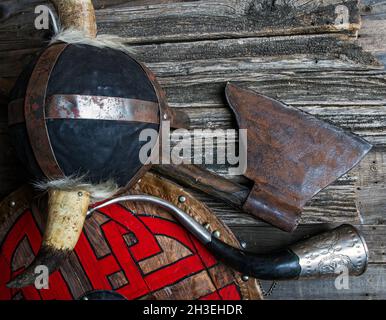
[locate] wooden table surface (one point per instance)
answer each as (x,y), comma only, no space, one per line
(293,50)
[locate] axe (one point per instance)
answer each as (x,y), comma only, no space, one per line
(291,156)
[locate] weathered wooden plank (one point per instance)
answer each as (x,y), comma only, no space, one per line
(372,204)
(208,19)
(372,35)
(315,52)
(333,205)
(371,187)
(367,121)
(12,173)
(12,62)
(283,75)
(9,8)
(337,46)
(17,29)
(370,286)
(300,88)
(226,18)
(101,4)
(373,169)
(296,78)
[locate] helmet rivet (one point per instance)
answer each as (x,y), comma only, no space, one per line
(181,199)
(80,194)
(12,204)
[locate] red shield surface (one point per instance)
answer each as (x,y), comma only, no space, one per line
(135,252)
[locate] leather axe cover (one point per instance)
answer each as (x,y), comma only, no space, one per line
(291,155)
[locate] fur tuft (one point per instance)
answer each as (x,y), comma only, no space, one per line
(101,41)
(98,192)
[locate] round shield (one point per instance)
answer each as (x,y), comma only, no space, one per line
(135,250)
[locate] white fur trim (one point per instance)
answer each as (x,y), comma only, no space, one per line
(98,192)
(101,41)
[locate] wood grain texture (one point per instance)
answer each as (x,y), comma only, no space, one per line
(370,286)
(194,47)
(182,20)
(275,49)
(333,205)
(300,88)
(225,18)
(372,33)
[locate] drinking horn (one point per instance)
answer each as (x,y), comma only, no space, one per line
(341,250)
(75,116)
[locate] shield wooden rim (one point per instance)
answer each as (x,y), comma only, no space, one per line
(154,185)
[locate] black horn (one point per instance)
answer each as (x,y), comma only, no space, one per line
(321,256)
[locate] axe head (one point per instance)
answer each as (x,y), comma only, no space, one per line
(291,155)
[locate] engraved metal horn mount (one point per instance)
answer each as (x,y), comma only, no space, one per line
(342,249)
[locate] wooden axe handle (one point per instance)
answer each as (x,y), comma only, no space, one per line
(249,200)
(203,180)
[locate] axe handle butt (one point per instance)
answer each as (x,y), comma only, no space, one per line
(272,209)
(203,180)
(254,201)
